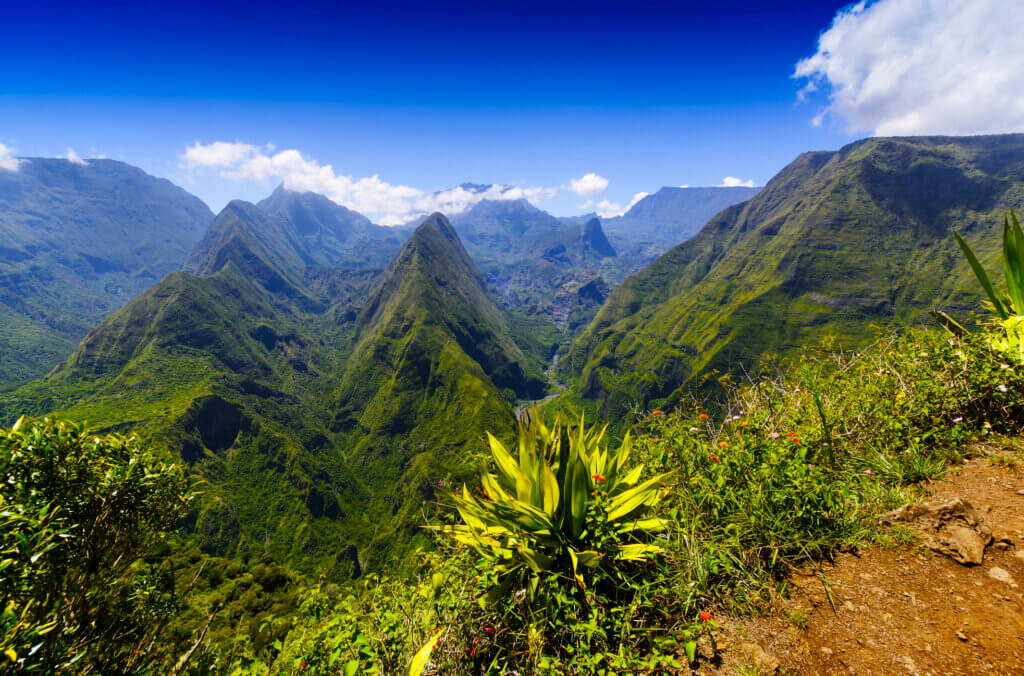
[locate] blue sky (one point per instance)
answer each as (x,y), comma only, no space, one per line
(426,97)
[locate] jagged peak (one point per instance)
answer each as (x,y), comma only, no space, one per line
(595,239)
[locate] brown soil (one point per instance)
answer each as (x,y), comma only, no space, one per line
(904,609)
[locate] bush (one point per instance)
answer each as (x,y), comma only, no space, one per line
(77,511)
(801,463)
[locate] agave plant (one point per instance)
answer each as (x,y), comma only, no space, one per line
(1009,309)
(568,506)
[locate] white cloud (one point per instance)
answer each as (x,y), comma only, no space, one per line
(73,157)
(7,159)
(733,182)
(386,203)
(588,185)
(607,209)
(896,67)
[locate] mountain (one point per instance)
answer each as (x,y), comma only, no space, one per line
(836,242)
(335,235)
(595,242)
(319,405)
(80,239)
(670,216)
(536,263)
(434,364)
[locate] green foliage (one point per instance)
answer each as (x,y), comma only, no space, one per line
(568,508)
(78,513)
(1010,308)
(805,460)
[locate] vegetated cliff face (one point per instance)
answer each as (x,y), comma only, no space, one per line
(80,239)
(836,242)
(320,405)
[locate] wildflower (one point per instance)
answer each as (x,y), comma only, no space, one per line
(703,416)
(489,630)
(824,443)
(655,440)
(1002,388)
(714,458)
(705,615)
(868,472)
(775,435)
(958,420)
(694,429)
(722,445)
(598,477)
(657,412)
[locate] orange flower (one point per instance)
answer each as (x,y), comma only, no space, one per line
(705,615)
(655,440)
(715,458)
(702,416)
(722,445)
(598,477)
(657,412)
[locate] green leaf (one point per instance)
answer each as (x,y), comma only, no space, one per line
(420,659)
(1012,266)
(624,503)
(982,276)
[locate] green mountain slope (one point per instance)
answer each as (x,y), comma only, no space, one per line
(80,240)
(319,405)
(333,234)
(432,357)
(837,241)
(227,372)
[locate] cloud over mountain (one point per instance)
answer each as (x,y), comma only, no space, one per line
(7,159)
(903,67)
(386,203)
(733,182)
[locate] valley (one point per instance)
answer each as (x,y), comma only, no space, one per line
(325,381)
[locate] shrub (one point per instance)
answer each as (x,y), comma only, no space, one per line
(800,463)
(77,512)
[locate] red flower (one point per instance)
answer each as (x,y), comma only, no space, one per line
(489,630)
(654,440)
(598,477)
(705,615)
(722,445)
(702,416)
(657,412)
(715,458)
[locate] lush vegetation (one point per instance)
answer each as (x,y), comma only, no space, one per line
(836,242)
(77,514)
(801,465)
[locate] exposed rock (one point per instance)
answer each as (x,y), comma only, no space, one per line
(963,544)
(1000,575)
(951,527)
(756,657)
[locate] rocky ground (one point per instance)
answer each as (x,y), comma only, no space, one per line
(940,594)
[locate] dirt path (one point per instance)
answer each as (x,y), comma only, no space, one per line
(906,609)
